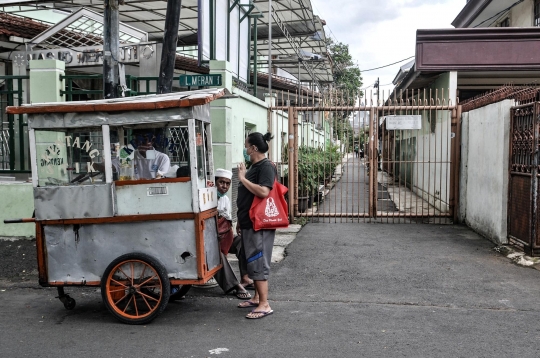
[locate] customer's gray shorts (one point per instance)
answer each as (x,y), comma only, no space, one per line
(258,247)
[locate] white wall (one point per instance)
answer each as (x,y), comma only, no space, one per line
(522,14)
(484,170)
(238,35)
(432,168)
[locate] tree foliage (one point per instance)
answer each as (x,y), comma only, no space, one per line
(347,76)
(345,90)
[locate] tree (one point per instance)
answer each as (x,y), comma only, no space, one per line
(347,75)
(345,90)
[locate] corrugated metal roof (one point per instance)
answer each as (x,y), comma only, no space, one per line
(148,102)
(296,18)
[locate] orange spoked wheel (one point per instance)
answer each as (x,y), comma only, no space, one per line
(135,288)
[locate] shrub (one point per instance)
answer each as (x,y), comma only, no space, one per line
(315,165)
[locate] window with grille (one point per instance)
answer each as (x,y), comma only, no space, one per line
(505,23)
(178,149)
(69,157)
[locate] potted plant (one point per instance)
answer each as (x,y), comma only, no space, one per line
(307,177)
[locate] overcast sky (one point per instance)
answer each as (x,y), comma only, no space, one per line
(382,32)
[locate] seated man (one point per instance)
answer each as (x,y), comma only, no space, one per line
(148,162)
(225,277)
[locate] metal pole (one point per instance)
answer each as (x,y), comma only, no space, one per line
(292,191)
(255,57)
(110,49)
(168,53)
(270,47)
(299,84)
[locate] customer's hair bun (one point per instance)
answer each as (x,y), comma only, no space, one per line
(268,137)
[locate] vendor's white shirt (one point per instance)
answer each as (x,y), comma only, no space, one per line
(149,168)
(224,207)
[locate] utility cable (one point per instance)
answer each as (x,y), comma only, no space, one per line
(376,68)
(500,12)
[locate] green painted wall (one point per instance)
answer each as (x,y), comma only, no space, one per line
(45,74)
(17,197)
(231,116)
(17,202)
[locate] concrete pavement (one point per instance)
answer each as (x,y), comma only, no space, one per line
(342,290)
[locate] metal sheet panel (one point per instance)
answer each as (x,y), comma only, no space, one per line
(93,119)
(207,198)
(82,253)
(73,202)
(211,245)
(154,198)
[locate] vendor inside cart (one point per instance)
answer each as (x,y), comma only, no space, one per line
(149,163)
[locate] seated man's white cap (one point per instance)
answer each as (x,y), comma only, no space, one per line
(223,173)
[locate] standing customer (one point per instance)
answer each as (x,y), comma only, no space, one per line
(257,245)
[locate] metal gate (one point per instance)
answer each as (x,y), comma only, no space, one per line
(391,160)
(13,128)
(523,217)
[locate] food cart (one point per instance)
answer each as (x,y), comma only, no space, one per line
(97,225)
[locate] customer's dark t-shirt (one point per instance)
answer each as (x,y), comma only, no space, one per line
(262,173)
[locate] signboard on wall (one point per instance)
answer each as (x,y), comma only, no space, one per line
(85,56)
(400,122)
(200,80)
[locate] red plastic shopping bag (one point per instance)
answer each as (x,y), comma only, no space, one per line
(271,212)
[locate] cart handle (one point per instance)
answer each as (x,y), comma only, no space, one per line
(17,221)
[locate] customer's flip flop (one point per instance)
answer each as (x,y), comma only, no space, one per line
(249,286)
(258,314)
(247,304)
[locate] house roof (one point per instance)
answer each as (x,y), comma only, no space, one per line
(26,28)
(484,58)
(294,24)
(403,70)
(148,102)
(483,13)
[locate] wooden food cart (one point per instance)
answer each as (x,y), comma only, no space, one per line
(133,238)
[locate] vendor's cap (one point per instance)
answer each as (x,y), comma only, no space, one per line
(223,173)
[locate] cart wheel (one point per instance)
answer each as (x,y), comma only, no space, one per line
(125,286)
(69,303)
(180,293)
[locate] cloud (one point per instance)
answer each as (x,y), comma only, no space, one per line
(381,32)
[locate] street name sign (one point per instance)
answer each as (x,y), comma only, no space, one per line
(200,80)
(398,122)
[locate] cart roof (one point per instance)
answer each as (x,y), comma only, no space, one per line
(137,103)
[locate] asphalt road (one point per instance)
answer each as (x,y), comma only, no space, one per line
(344,290)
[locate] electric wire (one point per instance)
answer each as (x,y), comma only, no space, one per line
(500,12)
(390,64)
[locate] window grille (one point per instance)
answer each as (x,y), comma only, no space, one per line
(178,149)
(505,23)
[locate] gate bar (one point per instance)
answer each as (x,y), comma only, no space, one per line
(291,164)
(366,108)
